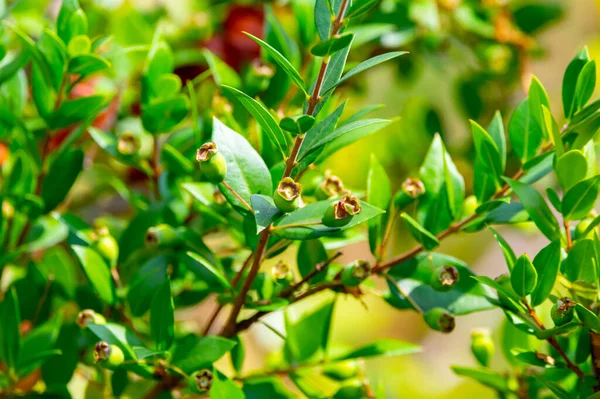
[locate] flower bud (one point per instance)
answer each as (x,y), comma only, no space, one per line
(287,195)
(110,356)
(440,319)
(482,346)
(341,371)
(162,236)
(331,186)
(411,189)
(444,278)
(107,246)
(562,311)
(88,316)
(341,212)
(212,163)
(282,273)
(204,380)
(128,144)
(355,273)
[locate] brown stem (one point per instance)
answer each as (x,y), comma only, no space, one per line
(212,319)
(320,267)
(552,341)
(567,224)
(239,197)
(230,327)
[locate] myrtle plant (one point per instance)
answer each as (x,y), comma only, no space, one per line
(202,189)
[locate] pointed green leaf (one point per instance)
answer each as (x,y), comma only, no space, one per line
(546,263)
(526,136)
(523,277)
(97,271)
(428,240)
(581,198)
(162,317)
(570,81)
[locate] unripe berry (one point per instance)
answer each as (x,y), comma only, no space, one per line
(562,311)
(440,319)
(341,371)
(411,189)
(109,356)
(212,163)
(204,380)
(355,273)
(282,273)
(88,316)
(330,187)
(257,77)
(444,278)
(287,195)
(128,144)
(341,212)
(482,346)
(107,246)
(470,205)
(162,236)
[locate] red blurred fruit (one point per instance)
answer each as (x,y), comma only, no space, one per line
(4,153)
(238,47)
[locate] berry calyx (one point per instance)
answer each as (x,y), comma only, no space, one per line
(444,278)
(355,273)
(212,163)
(341,212)
(110,356)
(440,319)
(287,195)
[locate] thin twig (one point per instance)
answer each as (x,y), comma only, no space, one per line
(404,293)
(239,197)
(300,224)
(319,268)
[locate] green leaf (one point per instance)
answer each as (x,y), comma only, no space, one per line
(163,115)
(424,237)
(60,178)
(162,317)
(381,347)
(332,45)
(570,168)
(144,284)
(222,387)
(444,194)
(77,110)
(525,135)
(310,254)
(553,131)
(363,66)
(488,165)
(578,264)
(97,271)
(359,7)
(414,278)
(537,98)
(546,263)
(507,251)
(263,117)
(379,194)
(10,338)
(115,334)
(193,353)
(586,83)
(204,270)
(267,387)
(297,124)
(580,199)
(265,211)
(313,142)
(287,67)
(570,81)
(314,213)
(554,388)
(323,128)
(38,346)
(589,318)
(537,208)
(324,15)
(247,173)
(483,376)
(307,331)
(88,64)
(523,277)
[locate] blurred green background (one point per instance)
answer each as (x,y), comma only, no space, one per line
(436,89)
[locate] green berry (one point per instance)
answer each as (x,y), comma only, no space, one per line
(341,212)
(331,186)
(107,246)
(204,380)
(287,195)
(162,236)
(355,273)
(411,189)
(562,311)
(440,319)
(109,356)
(212,163)
(128,144)
(482,346)
(470,205)
(444,278)
(88,316)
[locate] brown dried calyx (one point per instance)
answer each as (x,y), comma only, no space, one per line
(206,152)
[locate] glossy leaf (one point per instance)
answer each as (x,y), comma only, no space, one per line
(60,178)
(525,134)
(310,254)
(193,353)
(570,168)
(570,79)
(382,347)
(10,338)
(97,271)
(162,317)
(379,194)
(332,45)
(546,263)
(424,237)
(523,277)
(581,198)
